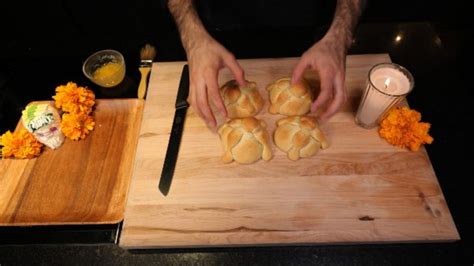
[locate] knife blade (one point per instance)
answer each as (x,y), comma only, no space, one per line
(172,151)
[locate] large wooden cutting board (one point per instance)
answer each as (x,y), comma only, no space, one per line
(359,190)
(81,182)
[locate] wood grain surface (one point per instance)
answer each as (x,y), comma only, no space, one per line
(82,182)
(359,190)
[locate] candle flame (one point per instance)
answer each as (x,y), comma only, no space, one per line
(387,82)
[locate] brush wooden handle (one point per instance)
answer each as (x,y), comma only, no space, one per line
(142,86)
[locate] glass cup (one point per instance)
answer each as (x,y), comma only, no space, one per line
(105,68)
(387,85)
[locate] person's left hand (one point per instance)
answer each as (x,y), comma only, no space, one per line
(327,57)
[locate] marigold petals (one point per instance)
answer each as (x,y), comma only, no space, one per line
(21,145)
(74,99)
(77,103)
(402,128)
(77,126)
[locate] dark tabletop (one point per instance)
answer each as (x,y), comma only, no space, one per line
(438,55)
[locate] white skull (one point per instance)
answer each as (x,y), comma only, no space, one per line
(44,122)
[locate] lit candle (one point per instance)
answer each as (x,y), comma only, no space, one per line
(387,85)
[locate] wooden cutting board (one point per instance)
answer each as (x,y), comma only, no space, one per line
(359,190)
(82,182)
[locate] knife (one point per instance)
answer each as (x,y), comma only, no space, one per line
(176,133)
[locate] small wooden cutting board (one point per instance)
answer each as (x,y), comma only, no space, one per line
(359,190)
(82,182)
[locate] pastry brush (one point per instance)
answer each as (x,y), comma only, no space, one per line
(147,54)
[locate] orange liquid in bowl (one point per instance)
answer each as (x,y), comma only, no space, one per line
(109,75)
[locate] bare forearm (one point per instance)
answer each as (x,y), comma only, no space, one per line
(345,20)
(205,58)
(187,20)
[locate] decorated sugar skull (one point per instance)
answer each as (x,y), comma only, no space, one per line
(43,121)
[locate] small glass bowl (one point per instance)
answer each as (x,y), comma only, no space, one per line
(105,68)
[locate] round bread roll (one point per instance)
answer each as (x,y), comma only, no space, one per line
(299,137)
(241,101)
(245,140)
(286,99)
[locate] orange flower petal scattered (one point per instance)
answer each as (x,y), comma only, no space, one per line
(73,99)
(77,126)
(20,145)
(402,128)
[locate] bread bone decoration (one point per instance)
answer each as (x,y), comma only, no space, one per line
(245,140)
(43,121)
(287,99)
(241,101)
(299,137)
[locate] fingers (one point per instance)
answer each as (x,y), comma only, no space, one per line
(235,68)
(213,91)
(339,98)
(203,104)
(193,99)
(326,88)
(299,70)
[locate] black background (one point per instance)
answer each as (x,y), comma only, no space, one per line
(43,44)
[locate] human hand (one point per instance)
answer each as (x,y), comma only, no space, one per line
(327,57)
(205,58)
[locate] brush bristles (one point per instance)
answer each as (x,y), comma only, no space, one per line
(148,52)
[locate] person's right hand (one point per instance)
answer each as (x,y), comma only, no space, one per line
(326,57)
(205,58)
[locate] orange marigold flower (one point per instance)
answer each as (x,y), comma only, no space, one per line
(21,145)
(402,128)
(74,99)
(77,126)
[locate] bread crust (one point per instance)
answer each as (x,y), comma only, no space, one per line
(299,137)
(245,140)
(287,99)
(241,101)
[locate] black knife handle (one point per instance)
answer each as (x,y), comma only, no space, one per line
(183,89)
